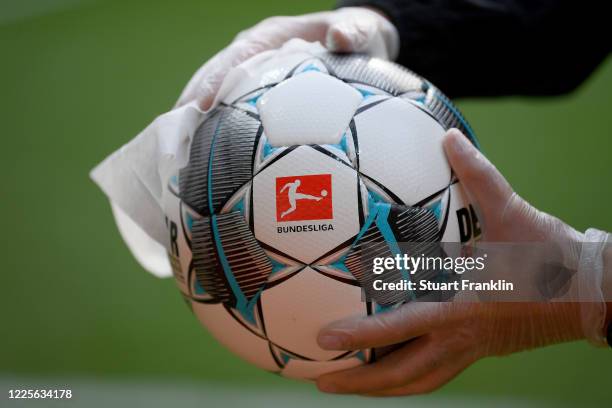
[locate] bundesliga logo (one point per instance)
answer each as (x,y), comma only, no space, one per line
(301,198)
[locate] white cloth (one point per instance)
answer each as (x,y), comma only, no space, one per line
(135,176)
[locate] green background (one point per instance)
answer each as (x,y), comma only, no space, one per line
(80,78)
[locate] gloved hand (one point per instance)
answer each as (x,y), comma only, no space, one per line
(439,340)
(350,29)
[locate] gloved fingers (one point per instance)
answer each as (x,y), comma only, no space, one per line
(481,179)
(430,381)
(205,84)
(268,34)
(363,31)
(336,40)
(351,35)
(504,214)
(393,327)
(198,88)
(351,29)
(392,370)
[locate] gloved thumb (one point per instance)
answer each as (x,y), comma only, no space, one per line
(392,327)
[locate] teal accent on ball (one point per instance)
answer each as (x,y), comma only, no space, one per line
(310,67)
(239,207)
(253,100)
(468,128)
(276,266)
(189,221)
(436,209)
(268,149)
(174,181)
(381,308)
(244,306)
(383,225)
(339,264)
(343,144)
(368,222)
(379,213)
(364,93)
(198,289)
(374,198)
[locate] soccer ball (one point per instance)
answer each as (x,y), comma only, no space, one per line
(302,164)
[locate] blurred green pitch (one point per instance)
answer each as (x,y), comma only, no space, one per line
(78,79)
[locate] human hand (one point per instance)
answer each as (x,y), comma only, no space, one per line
(350,29)
(436,341)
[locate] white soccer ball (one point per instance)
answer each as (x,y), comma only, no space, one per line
(302,165)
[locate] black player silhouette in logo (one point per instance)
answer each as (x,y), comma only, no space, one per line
(293,195)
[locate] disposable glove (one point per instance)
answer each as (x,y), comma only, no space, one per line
(435,341)
(350,29)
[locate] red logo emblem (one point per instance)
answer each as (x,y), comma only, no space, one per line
(300,198)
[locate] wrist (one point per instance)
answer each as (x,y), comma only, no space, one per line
(608,325)
(607,271)
(590,279)
(607,288)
